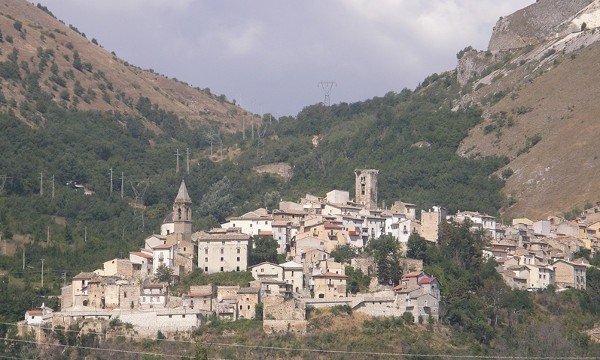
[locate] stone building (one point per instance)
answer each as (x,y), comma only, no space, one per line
(220,250)
(366,187)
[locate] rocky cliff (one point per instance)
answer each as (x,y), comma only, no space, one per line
(535,23)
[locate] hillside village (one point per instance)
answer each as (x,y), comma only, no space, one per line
(529,255)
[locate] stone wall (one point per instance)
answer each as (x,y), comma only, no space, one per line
(285,326)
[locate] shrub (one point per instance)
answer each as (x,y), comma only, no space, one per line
(506,173)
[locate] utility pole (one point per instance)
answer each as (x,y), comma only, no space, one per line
(23,257)
(85,234)
(42,183)
(4,253)
(42,273)
(122,181)
(53,186)
(187,160)
(48,235)
(177,168)
(3,179)
(111,180)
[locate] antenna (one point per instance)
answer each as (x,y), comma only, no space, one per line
(327,86)
(139,189)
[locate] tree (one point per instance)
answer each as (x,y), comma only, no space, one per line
(264,249)
(77,61)
(417,248)
(163,274)
(217,201)
(343,253)
(386,251)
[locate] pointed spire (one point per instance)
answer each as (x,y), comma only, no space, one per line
(182,194)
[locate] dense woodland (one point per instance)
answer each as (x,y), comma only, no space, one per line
(410,136)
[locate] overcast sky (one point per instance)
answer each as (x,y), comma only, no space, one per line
(271,55)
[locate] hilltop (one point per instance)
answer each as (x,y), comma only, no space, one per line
(78,73)
(537,84)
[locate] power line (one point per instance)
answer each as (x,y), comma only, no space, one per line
(326,351)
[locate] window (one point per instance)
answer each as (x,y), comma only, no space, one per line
(221,268)
(241,306)
(206,250)
(248,307)
(222,251)
(205,259)
(222,242)
(238,258)
(206,268)
(222,259)
(125,294)
(238,250)
(237,268)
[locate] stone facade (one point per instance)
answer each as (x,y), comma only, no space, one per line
(366,187)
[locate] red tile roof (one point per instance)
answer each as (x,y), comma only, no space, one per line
(330,274)
(426,280)
(412,274)
(142,254)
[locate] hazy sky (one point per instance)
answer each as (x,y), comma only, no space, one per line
(270,55)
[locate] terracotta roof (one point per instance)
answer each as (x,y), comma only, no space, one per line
(84,276)
(290,212)
(200,294)
(330,274)
(265,233)
(142,254)
(412,274)
(155,286)
(249,290)
(426,280)
(332,226)
(204,236)
(35,312)
(280,223)
(162,247)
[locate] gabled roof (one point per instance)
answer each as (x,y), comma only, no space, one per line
(332,275)
(291,264)
(84,276)
(142,254)
(427,280)
(162,246)
(412,274)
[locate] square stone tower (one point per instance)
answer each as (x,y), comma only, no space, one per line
(366,187)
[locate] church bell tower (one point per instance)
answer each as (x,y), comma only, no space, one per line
(182,212)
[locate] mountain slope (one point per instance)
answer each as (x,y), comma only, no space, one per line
(540,109)
(79,74)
